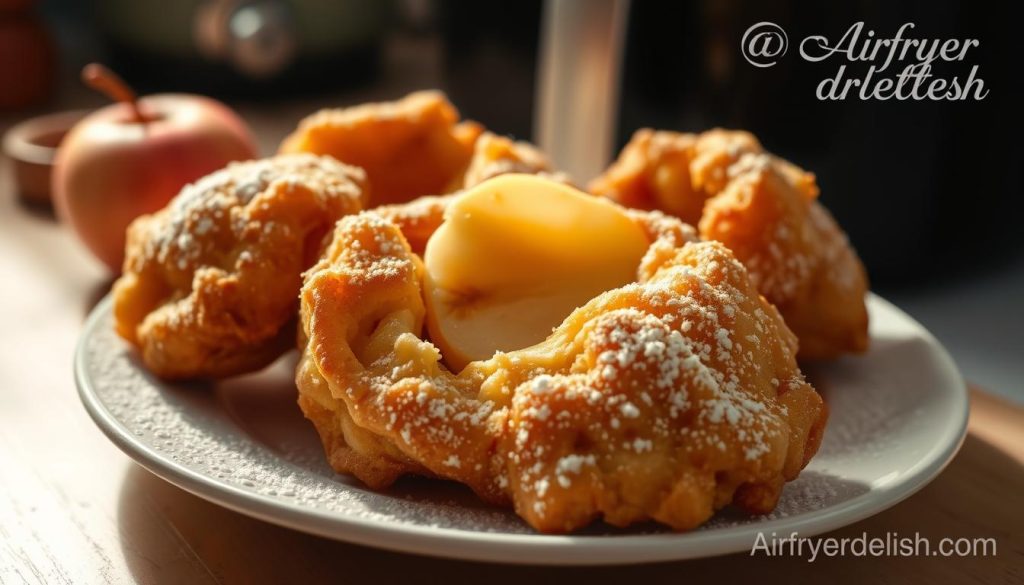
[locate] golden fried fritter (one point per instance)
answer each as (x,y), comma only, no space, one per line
(673,172)
(766,211)
(495,155)
(665,399)
(210,282)
(411,147)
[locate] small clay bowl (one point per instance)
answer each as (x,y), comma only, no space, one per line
(32,145)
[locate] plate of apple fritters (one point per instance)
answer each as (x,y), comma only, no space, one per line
(408,332)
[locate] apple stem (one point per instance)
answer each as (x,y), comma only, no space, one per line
(108,83)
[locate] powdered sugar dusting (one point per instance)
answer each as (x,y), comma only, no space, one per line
(221,201)
(187,427)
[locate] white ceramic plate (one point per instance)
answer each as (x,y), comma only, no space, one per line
(898,415)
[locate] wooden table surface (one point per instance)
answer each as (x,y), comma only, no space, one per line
(74,509)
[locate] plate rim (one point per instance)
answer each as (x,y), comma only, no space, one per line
(531,548)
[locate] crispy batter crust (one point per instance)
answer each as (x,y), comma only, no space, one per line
(209,284)
(665,399)
(411,147)
(766,211)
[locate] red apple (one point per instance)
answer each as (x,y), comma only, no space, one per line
(132,157)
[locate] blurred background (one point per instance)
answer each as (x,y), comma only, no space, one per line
(928,191)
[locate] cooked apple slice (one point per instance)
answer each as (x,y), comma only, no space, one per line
(514,256)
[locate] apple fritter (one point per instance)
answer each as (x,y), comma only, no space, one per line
(210,282)
(409,148)
(665,399)
(766,211)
